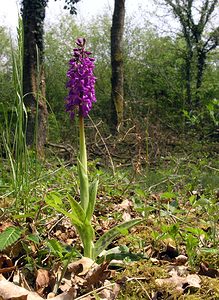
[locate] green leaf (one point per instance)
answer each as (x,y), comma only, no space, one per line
(92,199)
(167,195)
(76,209)
(9,236)
(55,201)
(87,236)
(212,251)
(110,235)
(55,247)
(84,185)
(54,198)
(195,231)
(33,238)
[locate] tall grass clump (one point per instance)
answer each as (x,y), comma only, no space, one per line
(14,131)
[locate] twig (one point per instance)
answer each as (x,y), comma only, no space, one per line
(141,285)
(56,222)
(212,168)
(111,284)
(151,187)
(95,291)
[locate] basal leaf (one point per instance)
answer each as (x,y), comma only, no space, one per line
(84,186)
(54,202)
(9,236)
(76,209)
(110,235)
(92,199)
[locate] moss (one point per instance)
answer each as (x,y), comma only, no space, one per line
(140,279)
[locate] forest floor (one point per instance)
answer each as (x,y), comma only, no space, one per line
(172,254)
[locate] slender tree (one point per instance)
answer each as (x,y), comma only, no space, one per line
(194,17)
(117,93)
(33,15)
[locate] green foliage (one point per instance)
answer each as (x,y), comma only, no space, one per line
(9,236)
(156,61)
(103,242)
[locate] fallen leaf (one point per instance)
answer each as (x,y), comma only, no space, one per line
(126,204)
(77,281)
(44,279)
(65,285)
(110,291)
(5,225)
(6,264)
(9,290)
(126,216)
(81,266)
(70,295)
(210,272)
(180,283)
(98,274)
(181,260)
(193,280)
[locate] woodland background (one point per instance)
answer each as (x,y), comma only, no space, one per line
(152,140)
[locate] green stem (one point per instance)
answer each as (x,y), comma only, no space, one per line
(88,249)
(86,233)
(83,151)
(84,186)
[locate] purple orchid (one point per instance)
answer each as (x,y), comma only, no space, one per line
(81,81)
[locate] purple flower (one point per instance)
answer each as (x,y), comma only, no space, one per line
(81,81)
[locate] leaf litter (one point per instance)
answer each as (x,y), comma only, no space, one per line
(157,260)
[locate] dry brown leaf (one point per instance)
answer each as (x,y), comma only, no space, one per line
(182,271)
(4,225)
(206,271)
(77,281)
(126,204)
(42,280)
(65,285)
(70,295)
(181,260)
(110,292)
(191,281)
(81,266)
(98,274)
(9,290)
(126,216)
(6,264)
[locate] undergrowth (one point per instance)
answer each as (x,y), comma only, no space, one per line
(178,197)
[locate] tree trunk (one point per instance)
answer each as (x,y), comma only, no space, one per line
(199,77)
(33,14)
(194,16)
(188,66)
(117,79)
